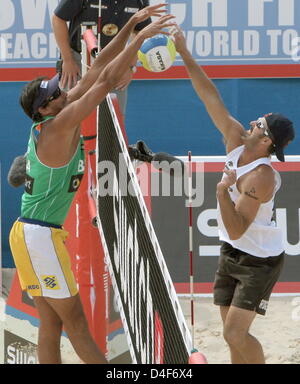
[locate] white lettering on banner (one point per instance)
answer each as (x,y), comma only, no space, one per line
(287,41)
(52,46)
(3,49)
(222,43)
(7,44)
(34,12)
(133,278)
(201,11)
(19,355)
(203,223)
(286,12)
(256,12)
(23,46)
(215,12)
(296,49)
(274,35)
(39,45)
(281,218)
(251,43)
(7,14)
(282,39)
(208,230)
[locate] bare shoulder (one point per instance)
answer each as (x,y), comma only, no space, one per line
(259,183)
(56,146)
(233,134)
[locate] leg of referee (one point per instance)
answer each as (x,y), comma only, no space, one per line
(69,313)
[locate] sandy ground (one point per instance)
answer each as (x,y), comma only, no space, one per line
(278,331)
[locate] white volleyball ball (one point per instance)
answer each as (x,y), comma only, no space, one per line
(157,54)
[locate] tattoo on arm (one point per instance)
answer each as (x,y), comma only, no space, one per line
(251,193)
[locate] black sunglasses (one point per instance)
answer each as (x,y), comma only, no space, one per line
(54,96)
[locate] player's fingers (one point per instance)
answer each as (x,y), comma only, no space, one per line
(63,80)
(70,82)
(157,6)
(74,80)
(167,25)
(166,17)
(157,13)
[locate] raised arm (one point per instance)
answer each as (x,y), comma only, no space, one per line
(231,129)
(111,51)
(79,109)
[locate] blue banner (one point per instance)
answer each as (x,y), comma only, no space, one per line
(230,32)
(26,37)
(218,32)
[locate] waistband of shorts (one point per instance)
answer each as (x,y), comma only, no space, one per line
(39,222)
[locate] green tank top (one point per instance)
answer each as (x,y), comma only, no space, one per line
(49,191)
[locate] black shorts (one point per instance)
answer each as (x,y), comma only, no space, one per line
(245,281)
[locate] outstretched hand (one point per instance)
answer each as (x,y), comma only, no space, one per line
(157,27)
(150,11)
(178,38)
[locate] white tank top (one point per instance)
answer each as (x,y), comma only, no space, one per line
(263,238)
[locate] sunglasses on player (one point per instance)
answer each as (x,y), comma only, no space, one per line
(54,96)
(259,124)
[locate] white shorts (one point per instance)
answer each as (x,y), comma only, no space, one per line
(42,260)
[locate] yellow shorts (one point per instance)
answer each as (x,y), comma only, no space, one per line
(42,260)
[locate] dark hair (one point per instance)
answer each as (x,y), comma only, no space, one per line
(27,97)
(271,149)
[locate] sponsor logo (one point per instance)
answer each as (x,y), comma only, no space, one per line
(44,84)
(18,350)
(263,305)
(33,287)
(29,184)
(160,60)
(75,183)
(110,30)
(131,10)
(50,282)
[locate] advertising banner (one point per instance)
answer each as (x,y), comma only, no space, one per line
(171,222)
(26,37)
(239,32)
(18,350)
(230,38)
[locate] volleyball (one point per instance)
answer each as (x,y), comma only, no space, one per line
(157,54)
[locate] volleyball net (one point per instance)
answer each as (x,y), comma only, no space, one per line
(154,323)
